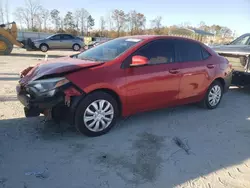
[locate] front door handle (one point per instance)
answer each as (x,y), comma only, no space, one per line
(174,71)
(210,66)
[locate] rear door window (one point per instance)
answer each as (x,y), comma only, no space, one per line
(188,51)
(67,37)
(205,53)
(158,52)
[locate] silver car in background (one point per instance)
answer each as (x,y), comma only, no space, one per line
(59,41)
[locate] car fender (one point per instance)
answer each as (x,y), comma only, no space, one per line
(109,88)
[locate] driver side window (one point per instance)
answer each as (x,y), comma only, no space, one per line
(158,52)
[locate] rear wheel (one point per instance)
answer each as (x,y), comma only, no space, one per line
(5,46)
(213,96)
(96,114)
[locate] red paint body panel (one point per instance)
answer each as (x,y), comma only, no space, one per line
(151,87)
(143,88)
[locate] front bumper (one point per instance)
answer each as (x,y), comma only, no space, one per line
(36,45)
(34,106)
(62,106)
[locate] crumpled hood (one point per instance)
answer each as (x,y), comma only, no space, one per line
(56,66)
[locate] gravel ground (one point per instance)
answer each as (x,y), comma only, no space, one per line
(178,147)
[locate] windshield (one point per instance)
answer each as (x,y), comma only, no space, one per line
(49,36)
(241,41)
(109,50)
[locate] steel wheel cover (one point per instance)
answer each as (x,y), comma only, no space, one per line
(214,95)
(98,115)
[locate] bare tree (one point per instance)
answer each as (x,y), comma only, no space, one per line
(7,11)
(1,13)
(77,16)
(203,26)
(83,19)
(102,25)
(29,14)
(22,16)
(55,16)
(61,21)
(45,15)
(137,22)
(185,24)
(156,24)
(32,7)
(38,22)
(226,32)
(109,21)
(120,19)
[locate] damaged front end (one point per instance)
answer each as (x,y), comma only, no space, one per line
(51,96)
(44,88)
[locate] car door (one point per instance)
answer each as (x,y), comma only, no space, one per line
(55,41)
(156,84)
(196,69)
(67,41)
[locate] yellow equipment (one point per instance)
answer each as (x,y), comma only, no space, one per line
(8,38)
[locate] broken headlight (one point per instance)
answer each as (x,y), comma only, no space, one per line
(46,87)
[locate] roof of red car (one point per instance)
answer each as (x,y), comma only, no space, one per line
(147,37)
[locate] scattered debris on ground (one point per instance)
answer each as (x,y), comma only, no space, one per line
(40,174)
(182,145)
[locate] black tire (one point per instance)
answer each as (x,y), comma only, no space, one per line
(79,122)
(9,46)
(44,47)
(76,47)
(205,102)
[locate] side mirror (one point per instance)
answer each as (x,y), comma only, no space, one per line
(138,60)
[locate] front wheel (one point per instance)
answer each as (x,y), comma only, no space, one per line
(76,47)
(213,96)
(44,47)
(96,114)
(5,46)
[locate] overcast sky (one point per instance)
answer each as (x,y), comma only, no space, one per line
(234,14)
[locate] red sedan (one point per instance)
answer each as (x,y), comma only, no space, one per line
(122,77)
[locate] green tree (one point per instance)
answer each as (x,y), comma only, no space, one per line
(69,21)
(90,22)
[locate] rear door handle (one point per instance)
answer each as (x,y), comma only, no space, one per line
(174,71)
(210,66)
